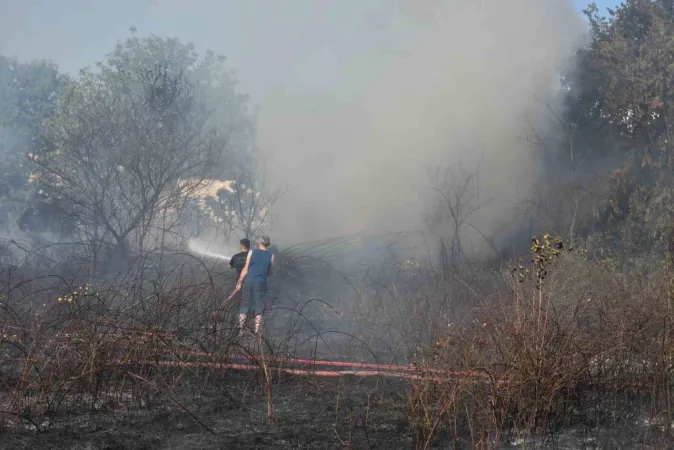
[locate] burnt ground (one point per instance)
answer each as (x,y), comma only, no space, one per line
(311,413)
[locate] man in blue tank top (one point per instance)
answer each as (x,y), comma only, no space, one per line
(255,273)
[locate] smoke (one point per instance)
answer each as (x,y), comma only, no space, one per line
(358,99)
(439,83)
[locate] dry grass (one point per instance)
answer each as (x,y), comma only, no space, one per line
(67,350)
(559,343)
(567,343)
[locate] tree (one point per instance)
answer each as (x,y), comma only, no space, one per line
(245,208)
(28,93)
(127,136)
(621,101)
(455,199)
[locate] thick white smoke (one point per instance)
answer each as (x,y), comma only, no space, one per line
(358,98)
(438,83)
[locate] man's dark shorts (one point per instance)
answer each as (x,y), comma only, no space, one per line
(255,299)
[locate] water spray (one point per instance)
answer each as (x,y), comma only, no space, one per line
(202,252)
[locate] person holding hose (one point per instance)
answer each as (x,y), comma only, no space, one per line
(238,261)
(255,273)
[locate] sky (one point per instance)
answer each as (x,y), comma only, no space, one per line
(602,4)
(76,33)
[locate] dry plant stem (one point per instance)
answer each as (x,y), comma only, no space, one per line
(347,443)
(339,392)
(444,407)
(267,381)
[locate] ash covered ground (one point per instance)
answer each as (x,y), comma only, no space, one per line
(311,413)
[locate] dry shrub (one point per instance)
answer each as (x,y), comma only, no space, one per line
(568,342)
(71,349)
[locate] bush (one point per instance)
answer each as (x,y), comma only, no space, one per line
(569,342)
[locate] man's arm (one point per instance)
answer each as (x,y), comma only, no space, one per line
(244,272)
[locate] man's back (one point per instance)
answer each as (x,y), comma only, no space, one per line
(238,262)
(260,265)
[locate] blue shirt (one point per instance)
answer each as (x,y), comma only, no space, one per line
(259,266)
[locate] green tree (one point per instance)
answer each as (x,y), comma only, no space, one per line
(621,100)
(28,94)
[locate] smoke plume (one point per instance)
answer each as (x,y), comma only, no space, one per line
(357,99)
(439,83)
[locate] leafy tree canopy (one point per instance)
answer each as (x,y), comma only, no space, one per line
(621,100)
(28,96)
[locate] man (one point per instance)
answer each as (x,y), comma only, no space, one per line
(238,261)
(255,273)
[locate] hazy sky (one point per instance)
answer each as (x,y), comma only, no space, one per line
(75,33)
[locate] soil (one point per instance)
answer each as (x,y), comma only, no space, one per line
(311,413)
